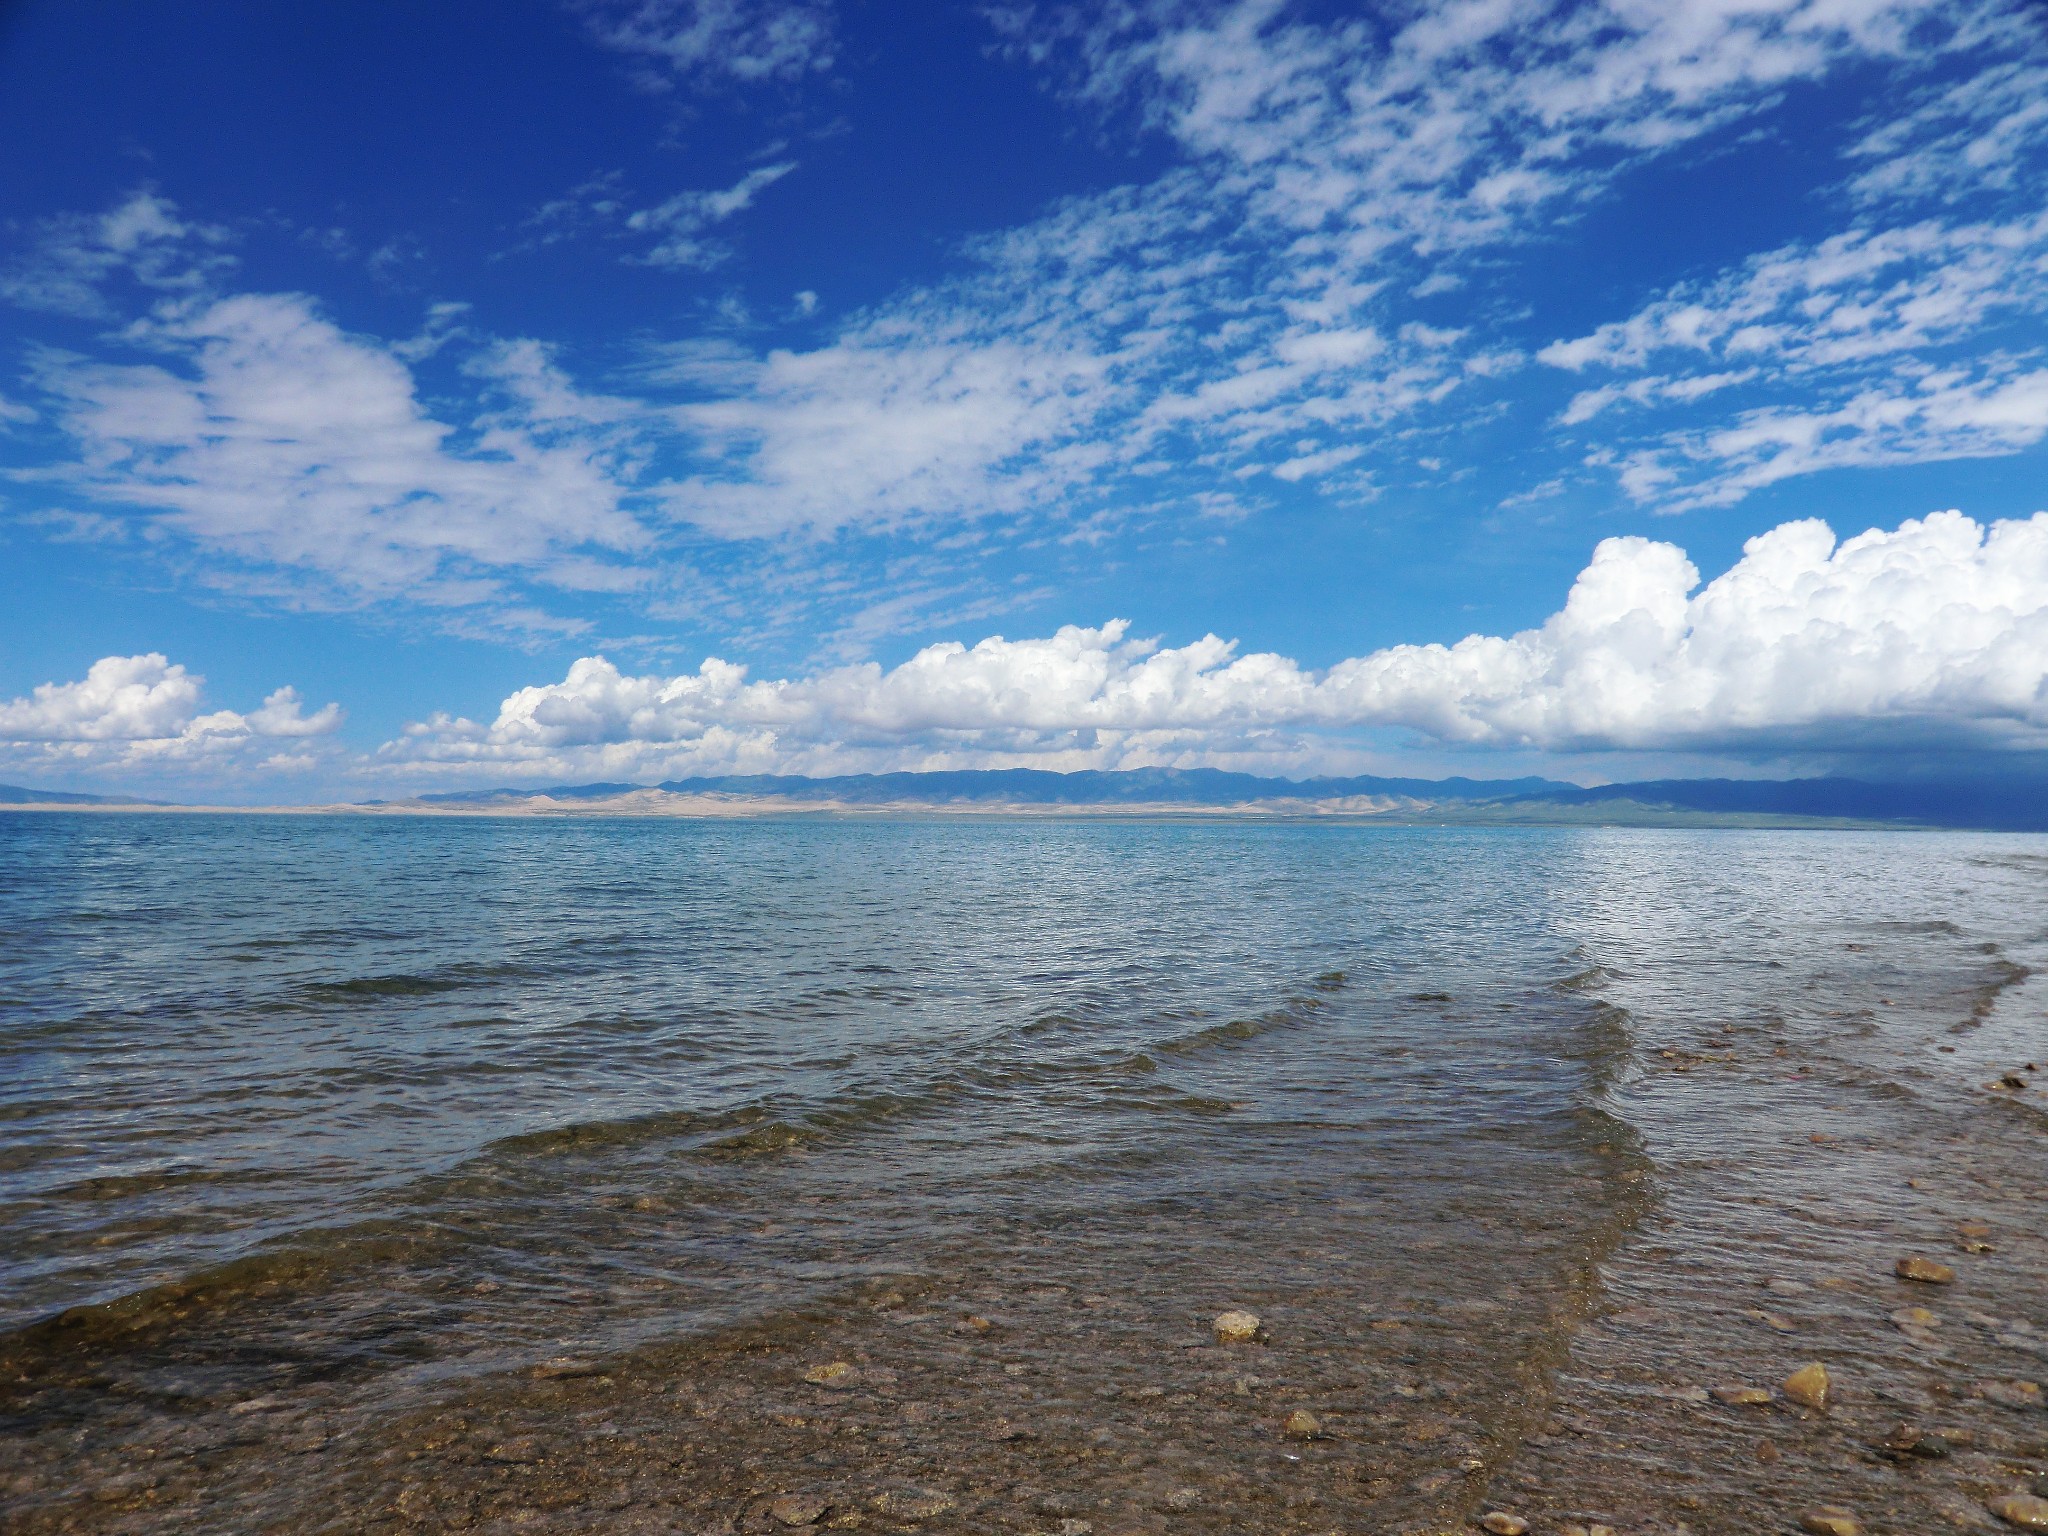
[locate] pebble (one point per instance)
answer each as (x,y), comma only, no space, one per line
(1908,1441)
(914,1506)
(1916,1317)
(1302,1425)
(1588,1530)
(1831,1520)
(797,1509)
(2012,1394)
(1236,1327)
(1926,1271)
(1501,1523)
(2024,1510)
(836,1374)
(1743,1397)
(1809,1386)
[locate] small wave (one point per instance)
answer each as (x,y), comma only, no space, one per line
(1295,1013)
(1164,1097)
(125,1186)
(762,1140)
(1583,981)
(365,989)
(304,1262)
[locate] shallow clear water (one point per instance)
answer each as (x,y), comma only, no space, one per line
(406,1132)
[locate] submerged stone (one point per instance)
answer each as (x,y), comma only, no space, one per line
(1236,1327)
(1926,1271)
(1743,1397)
(1810,1386)
(2027,1511)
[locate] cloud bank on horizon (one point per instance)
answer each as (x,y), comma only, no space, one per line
(1290,304)
(1933,635)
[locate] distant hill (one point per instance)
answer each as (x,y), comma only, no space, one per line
(2002,805)
(2011,805)
(14,794)
(1038,786)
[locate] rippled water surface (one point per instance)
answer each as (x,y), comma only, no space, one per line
(634,1174)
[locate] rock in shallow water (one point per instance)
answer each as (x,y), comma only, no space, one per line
(1810,1387)
(1926,1271)
(2025,1510)
(1831,1520)
(2011,1394)
(1501,1523)
(1236,1327)
(1302,1425)
(797,1509)
(1743,1397)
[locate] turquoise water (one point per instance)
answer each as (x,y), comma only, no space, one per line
(356,1114)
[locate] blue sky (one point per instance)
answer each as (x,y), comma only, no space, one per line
(395,398)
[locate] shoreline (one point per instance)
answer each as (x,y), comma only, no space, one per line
(659,805)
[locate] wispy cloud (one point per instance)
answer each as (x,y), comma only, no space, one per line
(697,42)
(1273,308)
(70,260)
(267,434)
(674,233)
(1868,348)
(1330,279)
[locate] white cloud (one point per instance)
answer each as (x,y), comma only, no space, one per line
(1916,418)
(1852,298)
(1962,137)
(1935,633)
(702,40)
(679,222)
(122,698)
(1267,319)
(1869,346)
(679,226)
(272,436)
(144,237)
(145,713)
(1251,313)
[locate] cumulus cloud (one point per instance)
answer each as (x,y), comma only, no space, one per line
(269,434)
(146,713)
(1932,634)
